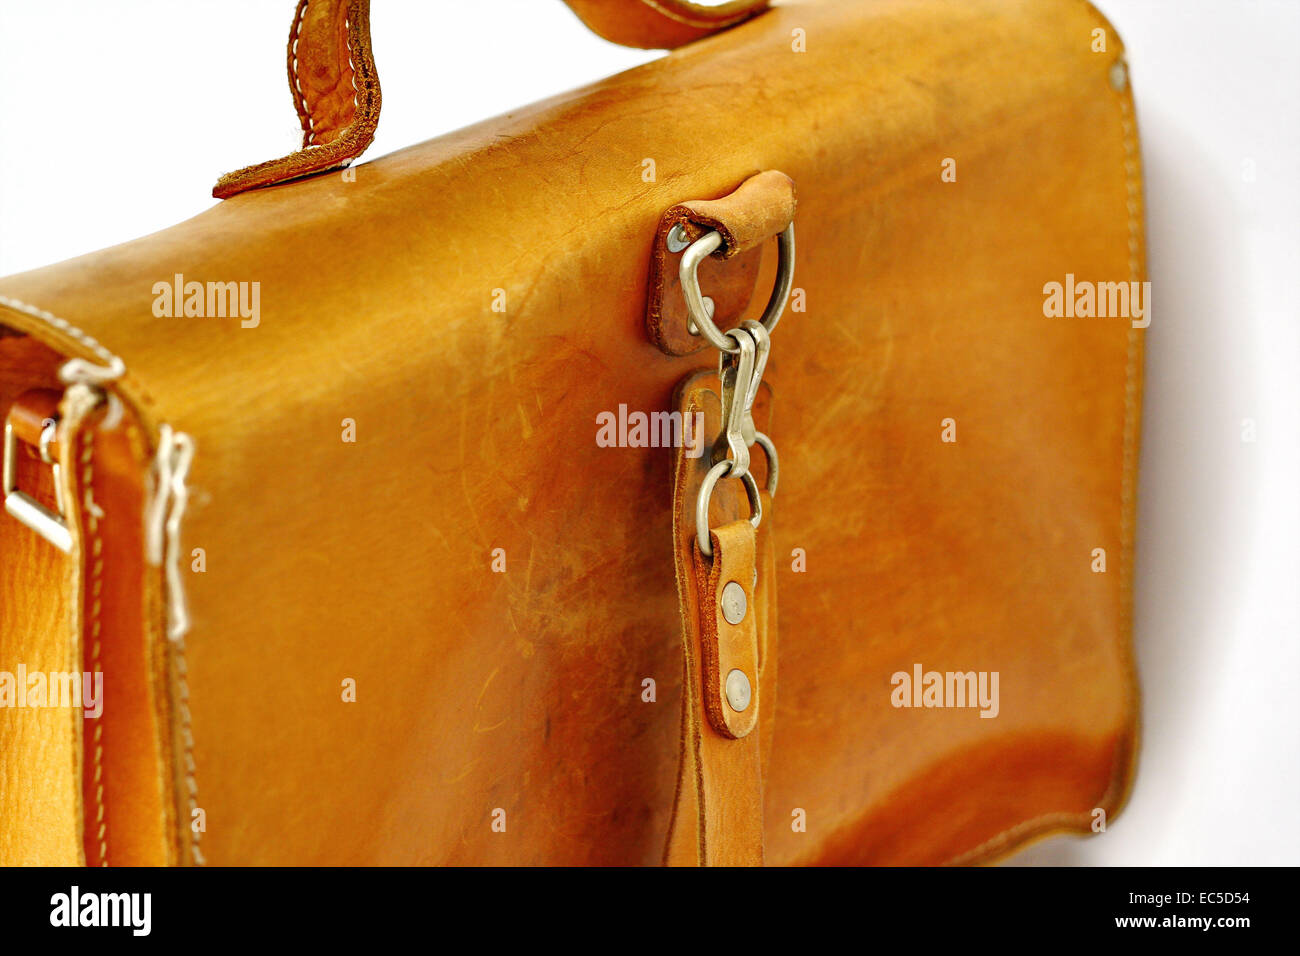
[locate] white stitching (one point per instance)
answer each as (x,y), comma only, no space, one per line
(93,513)
(308,143)
(297,84)
(114,366)
(187,738)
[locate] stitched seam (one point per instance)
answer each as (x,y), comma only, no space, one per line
(111,359)
(63,325)
(303,108)
(1128,461)
(701,23)
(90,509)
(352,67)
(1130,378)
(187,739)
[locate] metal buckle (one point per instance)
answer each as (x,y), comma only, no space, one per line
(50,525)
(689,273)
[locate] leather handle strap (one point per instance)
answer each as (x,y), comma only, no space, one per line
(661,24)
(336,89)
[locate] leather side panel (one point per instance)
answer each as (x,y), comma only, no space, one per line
(40,807)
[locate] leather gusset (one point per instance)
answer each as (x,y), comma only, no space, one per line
(40,805)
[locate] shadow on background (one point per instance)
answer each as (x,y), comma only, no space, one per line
(1194,519)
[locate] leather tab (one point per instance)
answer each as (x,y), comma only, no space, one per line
(335,85)
(729,643)
(758,209)
(29,414)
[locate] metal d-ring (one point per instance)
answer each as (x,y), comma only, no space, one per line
(706,494)
(689,273)
(773,463)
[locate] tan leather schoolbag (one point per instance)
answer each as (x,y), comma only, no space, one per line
(426,510)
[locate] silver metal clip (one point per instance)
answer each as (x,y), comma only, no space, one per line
(740,367)
(741,374)
(735,370)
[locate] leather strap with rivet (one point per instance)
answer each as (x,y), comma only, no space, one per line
(724,561)
(728,651)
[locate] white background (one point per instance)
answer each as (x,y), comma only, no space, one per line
(116,119)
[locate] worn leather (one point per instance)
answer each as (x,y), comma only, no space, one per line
(661,24)
(122,814)
(40,813)
(336,91)
(758,210)
(521,690)
(717,817)
(728,645)
(128,754)
(29,413)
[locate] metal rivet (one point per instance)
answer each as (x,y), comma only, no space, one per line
(677,240)
(738,691)
(690,323)
(1118,75)
(734,603)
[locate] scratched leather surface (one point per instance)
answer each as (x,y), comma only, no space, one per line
(40,822)
(475,430)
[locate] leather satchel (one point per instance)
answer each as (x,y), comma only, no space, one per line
(426,511)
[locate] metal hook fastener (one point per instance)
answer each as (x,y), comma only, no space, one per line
(741,373)
(762,346)
(689,273)
(735,371)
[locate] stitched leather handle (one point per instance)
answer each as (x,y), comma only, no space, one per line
(336,89)
(661,24)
